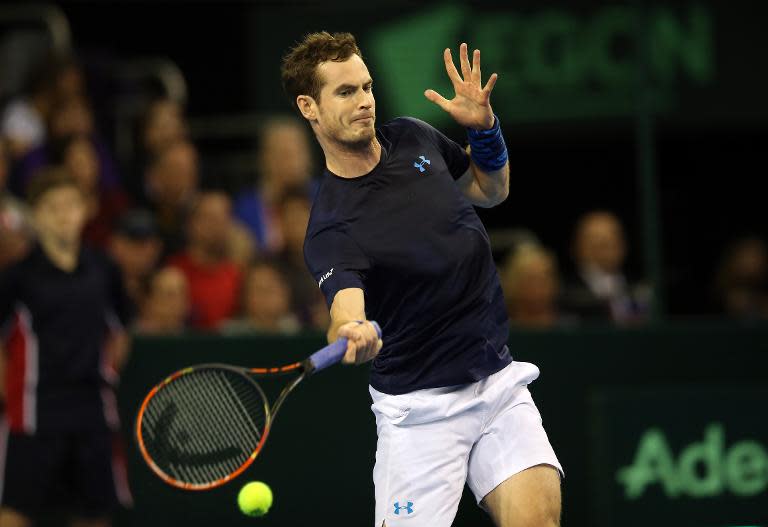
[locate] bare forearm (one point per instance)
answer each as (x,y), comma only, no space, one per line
(493,186)
(348,306)
(347,313)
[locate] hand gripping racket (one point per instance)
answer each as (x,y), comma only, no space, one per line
(204,425)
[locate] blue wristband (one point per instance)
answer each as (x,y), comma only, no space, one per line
(488,150)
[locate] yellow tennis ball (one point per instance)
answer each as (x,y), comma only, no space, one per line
(255,498)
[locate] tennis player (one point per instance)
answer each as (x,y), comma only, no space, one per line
(393,237)
(60,309)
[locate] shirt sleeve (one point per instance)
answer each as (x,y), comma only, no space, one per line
(455,156)
(336,262)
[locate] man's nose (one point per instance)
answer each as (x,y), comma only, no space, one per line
(366,100)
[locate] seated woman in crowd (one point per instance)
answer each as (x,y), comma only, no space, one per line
(266,302)
(164,308)
(531,286)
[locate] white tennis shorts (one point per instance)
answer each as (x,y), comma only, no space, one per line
(430,442)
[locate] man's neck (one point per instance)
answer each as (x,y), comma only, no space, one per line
(351,162)
(64,256)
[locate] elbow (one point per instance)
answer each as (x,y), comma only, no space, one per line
(502,195)
(496,188)
(496,197)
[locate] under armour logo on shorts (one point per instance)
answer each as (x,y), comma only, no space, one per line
(408,507)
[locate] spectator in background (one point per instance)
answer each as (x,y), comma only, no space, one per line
(62,311)
(23,120)
(70,116)
(161,124)
(600,291)
(170,186)
(284,161)
(165,303)
(15,227)
(306,299)
(136,247)
(78,155)
(242,246)
(741,285)
(266,302)
(214,279)
(531,285)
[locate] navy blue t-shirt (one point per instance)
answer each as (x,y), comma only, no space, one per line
(407,236)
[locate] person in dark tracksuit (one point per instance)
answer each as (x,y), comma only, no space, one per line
(62,314)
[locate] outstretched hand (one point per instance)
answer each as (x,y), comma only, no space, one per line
(471,106)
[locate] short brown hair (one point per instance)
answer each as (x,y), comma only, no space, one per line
(47,179)
(299,70)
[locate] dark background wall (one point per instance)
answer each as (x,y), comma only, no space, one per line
(600,393)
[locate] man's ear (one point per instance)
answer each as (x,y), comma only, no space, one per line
(307,107)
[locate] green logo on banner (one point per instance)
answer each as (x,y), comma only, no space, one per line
(552,64)
(703,469)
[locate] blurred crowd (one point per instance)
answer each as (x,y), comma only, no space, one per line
(196,257)
(192,256)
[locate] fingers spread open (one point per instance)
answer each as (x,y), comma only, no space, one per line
(476,67)
(491,83)
(436,98)
(466,72)
(450,68)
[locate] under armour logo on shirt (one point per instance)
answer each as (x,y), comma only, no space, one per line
(408,507)
(420,166)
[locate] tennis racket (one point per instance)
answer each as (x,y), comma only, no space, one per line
(204,425)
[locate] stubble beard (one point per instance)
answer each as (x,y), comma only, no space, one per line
(359,144)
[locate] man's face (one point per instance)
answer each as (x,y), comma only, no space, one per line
(538,283)
(346,109)
(169,297)
(60,215)
(165,125)
(601,243)
(82,162)
(73,117)
(267,296)
(69,83)
(211,223)
(175,176)
(284,156)
(136,257)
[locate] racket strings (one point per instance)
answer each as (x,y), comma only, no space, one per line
(212,423)
(204,425)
